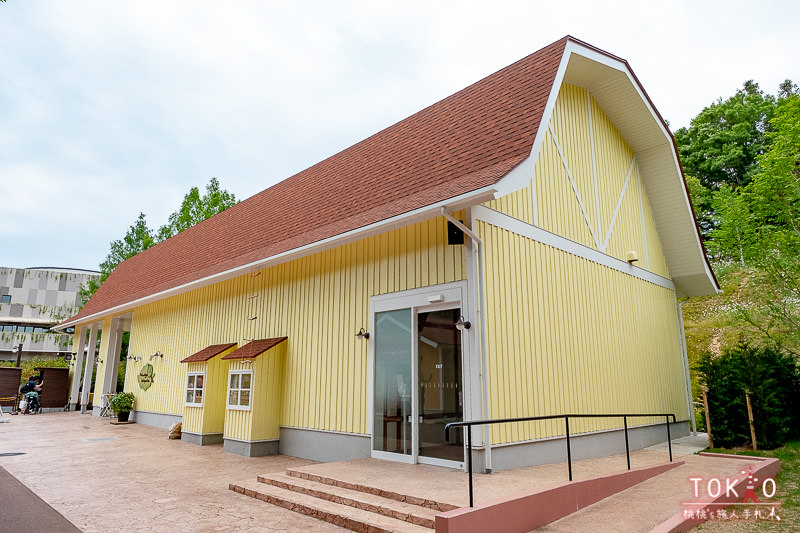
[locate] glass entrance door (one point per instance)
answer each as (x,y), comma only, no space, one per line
(393,386)
(440,385)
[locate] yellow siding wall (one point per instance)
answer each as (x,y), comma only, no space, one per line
(209,418)
(570,336)
(318,302)
(193,417)
(262,421)
(581,128)
(518,204)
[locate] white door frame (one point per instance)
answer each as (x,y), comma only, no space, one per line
(426,299)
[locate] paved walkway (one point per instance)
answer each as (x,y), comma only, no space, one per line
(132,478)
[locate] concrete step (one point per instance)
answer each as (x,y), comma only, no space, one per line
(400,510)
(334,513)
(406,498)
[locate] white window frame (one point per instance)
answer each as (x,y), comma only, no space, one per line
(240,407)
(202,389)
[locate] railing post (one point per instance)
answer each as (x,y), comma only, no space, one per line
(669,440)
(627,447)
(469,462)
(569,451)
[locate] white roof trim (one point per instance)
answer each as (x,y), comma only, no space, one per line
(599,73)
(417,215)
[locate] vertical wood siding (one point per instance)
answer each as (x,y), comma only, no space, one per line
(318,302)
(591,151)
(570,336)
(567,335)
(518,204)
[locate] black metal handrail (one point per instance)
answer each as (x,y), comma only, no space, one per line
(469,424)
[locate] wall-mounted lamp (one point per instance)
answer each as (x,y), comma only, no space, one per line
(461,325)
(157,354)
(98,362)
(631,257)
(135,358)
(246,362)
(362,334)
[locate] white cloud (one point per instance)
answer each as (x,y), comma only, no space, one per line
(111,109)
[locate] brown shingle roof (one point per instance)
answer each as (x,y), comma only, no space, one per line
(461,144)
(254,348)
(207,353)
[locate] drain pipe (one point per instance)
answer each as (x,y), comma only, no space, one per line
(687,377)
(482,321)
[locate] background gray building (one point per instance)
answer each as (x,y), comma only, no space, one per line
(33,299)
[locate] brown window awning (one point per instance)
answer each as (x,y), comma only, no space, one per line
(255,348)
(208,352)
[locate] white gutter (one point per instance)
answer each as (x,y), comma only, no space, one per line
(482,326)
(423,213)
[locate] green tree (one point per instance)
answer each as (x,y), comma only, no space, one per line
(195,209)
(774,202)
(723,142)
(701,203)
(140,237)
(733,229)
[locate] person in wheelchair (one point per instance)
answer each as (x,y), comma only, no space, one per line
(30,391)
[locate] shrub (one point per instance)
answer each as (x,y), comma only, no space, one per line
(773,381)
(29,366)
(122,402)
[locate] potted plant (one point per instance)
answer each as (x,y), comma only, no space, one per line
(122,404)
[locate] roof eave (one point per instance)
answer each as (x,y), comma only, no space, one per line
(430,211)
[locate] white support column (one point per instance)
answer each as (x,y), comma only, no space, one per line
(76,374)
(111,356)
(91,357)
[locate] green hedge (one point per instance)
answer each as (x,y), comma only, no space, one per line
(773,380)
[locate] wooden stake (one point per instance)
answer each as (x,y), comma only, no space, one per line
(708,417)
(750,416)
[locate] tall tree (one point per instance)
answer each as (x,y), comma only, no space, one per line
(723,142)
(733,231)
(140,237)
(195,209)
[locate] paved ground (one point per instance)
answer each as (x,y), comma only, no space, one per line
(132,478)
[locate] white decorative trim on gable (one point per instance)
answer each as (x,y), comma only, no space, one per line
(501,220)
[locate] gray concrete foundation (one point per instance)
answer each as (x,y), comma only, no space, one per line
(325,446)
(201,439)
(159,420)
(250,449)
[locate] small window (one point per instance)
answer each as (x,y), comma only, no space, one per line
(239,386)
(5,299)
(194,388)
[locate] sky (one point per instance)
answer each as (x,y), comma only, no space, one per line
(109,109)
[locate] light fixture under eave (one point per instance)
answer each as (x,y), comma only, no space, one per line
(461,325)
(362,334)
(246,362)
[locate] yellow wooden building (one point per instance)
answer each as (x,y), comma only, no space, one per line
(516,249)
